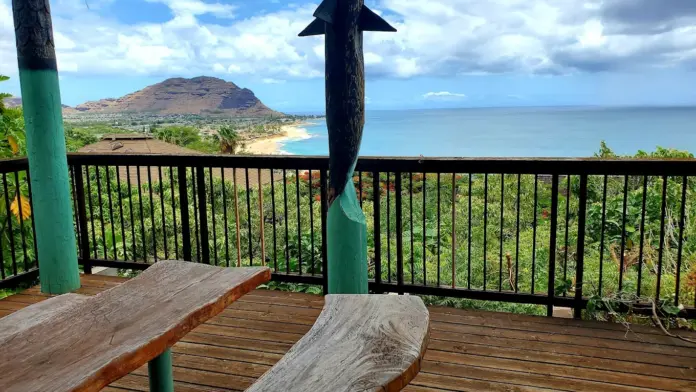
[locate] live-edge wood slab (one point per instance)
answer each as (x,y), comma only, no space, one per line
(79,343)
(358,343)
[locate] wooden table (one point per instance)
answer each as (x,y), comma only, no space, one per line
(79,343)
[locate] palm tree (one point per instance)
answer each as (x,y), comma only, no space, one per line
(229,139)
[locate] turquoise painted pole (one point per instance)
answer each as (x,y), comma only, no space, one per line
(159,371)
(38,76)
(343,23)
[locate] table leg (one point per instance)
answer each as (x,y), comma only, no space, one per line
(159,371)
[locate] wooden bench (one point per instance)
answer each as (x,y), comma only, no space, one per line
(79,343)
(358,343)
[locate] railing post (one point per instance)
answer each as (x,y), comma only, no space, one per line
(202,215)
(184,213)
(377,232)
(324,211)
(580,266)
(399,238)
(82,219)
(552,246)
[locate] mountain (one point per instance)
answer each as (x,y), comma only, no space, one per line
(200,95)
(12,102)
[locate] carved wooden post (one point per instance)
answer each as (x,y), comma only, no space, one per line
(38,75)
(343,21)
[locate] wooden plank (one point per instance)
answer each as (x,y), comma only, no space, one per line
(573,360)
(564,371)
(514,317)
(377,342)
(230,353)
(462,339)
(101,339)
(524,325)
(615,344)
(469,384)
(238,342)
(521,378)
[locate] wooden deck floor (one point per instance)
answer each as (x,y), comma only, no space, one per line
(468,351)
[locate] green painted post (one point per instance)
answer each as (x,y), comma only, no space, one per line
(159,371)
(343,23)
(38,75)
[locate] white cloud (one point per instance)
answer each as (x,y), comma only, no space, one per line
(434,38)
(272,81)
(443,94)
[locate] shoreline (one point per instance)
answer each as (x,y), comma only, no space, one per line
(272,145)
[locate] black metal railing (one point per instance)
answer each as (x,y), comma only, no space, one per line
(18,253)
(551,232)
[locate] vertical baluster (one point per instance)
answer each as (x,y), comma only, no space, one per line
(91,211)
(174,222)
(248,205)
(517,241)
(324,210)
(580,264)
(299,225)
(10,232)
(425,276)
(152,213)
(389,270)
(21,220)
(142,220)
(120,212)
(642,234)
(438,228)
(682,217)
(130,209)
(73,195)
(410,211)
(311,216)
(33,224)
(663,212)
(196,211)
(212,213)
(502,203)
(468,256)
(601,234)
(111,212)
(164,221)
(184,212)
(224,216)
(485,228)
(262,219)
(567,218)
(82,218)
(273,208)
(534,231)
(101,213)
(203,218)
(287,232)
(454,231)
(552,246)
(360,187)
(377,228)
(623,232)
(399,237)
(236,219)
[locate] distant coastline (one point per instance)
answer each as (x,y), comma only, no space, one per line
(273,145)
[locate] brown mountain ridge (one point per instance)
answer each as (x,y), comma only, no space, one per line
(199,95)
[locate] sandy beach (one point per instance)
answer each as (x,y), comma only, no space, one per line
(273,145)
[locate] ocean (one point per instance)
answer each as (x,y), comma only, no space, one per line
(514,132)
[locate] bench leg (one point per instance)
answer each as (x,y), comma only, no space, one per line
(159,371)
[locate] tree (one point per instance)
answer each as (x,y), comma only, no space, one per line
(229,140)
(12,136)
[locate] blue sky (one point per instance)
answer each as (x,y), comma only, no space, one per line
(446,53)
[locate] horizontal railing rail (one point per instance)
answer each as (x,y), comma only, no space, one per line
(549,232)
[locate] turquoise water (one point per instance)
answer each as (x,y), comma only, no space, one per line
(514,132)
